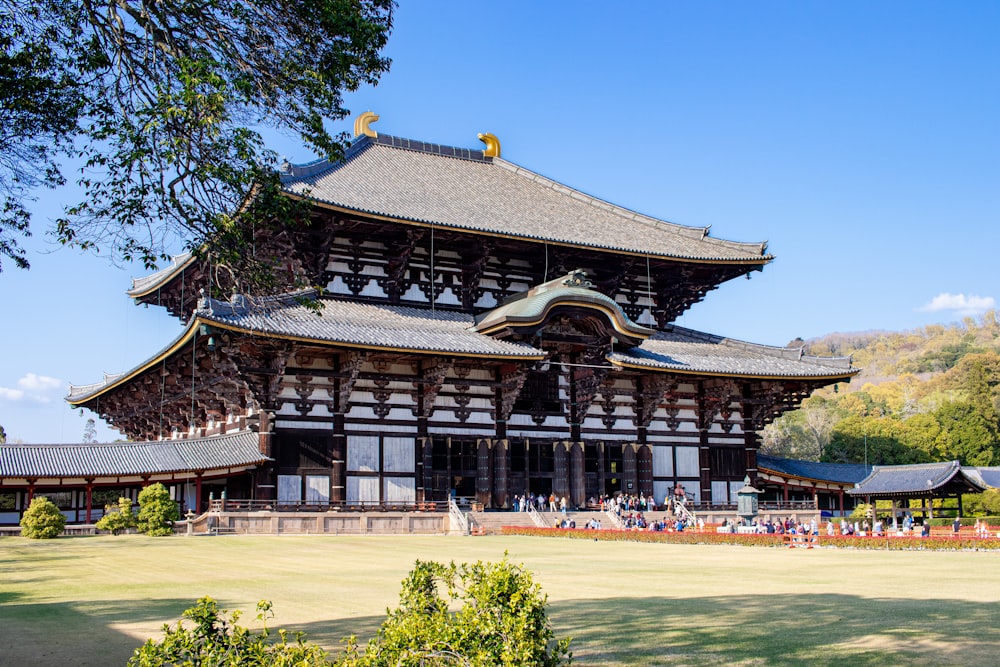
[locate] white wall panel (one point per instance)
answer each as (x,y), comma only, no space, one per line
(362,453)
(398,455)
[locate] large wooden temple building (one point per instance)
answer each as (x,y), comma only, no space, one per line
(482,331)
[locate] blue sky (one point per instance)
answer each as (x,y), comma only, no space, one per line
(861,140)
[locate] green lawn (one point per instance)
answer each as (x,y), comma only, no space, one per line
(92,600)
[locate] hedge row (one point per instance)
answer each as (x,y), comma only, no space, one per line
(934,543)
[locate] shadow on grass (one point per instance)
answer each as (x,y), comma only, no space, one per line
(752,629)
(779,630)
(84,633)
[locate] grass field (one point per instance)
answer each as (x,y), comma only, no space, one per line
(92,600)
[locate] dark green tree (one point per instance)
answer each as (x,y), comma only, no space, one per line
(156,99)
(971,435)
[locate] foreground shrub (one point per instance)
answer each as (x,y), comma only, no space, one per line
(42,520)
(481,615)
(216,640)
(157,512)
(117,518)
(490,614)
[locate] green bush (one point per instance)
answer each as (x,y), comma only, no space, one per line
(157,512)
(491,614)
(42,520)
(216,640)
(117,518)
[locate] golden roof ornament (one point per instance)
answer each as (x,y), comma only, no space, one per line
(362,124)
(492,144)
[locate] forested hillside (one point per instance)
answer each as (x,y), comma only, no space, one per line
(931,394)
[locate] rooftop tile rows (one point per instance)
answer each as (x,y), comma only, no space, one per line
(409,181)
(130,458)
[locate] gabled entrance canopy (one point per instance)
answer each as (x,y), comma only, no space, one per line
(527,312)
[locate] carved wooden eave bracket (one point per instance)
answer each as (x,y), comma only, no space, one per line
(512,379)
(716,397)
(431,380)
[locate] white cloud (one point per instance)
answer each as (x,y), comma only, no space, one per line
(38,383)
(963,306)
(12,395)
(32,388)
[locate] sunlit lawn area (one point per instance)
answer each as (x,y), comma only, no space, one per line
(92,600)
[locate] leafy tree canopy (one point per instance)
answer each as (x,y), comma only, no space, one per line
(155,99)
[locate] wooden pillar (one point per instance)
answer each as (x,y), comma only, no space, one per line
(601,472)
(197,492)
(560,482)
(427,453)
(644,461)
(840,500)
(577,476)
(338,468)
(501,474)
(484,472)
(266,481)
(630,478)
(90,498)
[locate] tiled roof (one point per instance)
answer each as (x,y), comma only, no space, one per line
(839,473)
(363,324)
(131,458)
(687,351)
(147,284)
(987,477)
(916,479)
(398,328)
(403,328)
(460,189)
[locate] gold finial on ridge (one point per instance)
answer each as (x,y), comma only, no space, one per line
(492,144)
(362,124)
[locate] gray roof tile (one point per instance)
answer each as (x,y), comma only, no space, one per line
(838,473)
(687,351)
(917,479)
(422,183)
(130,458)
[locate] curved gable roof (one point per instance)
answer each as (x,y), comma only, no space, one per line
(534,307)
(919,479)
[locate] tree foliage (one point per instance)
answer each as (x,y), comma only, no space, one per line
(157,511)
(477,615)
(42,520)
(217,640)
(156,100)
(117,518)
(903,417)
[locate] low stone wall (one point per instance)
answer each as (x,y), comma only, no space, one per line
(319,523)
